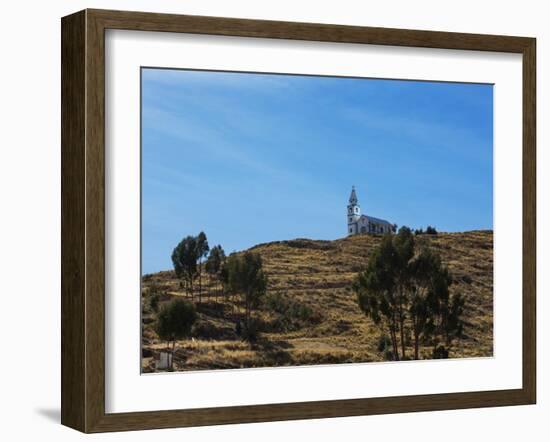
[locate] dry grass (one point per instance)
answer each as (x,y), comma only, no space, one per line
(318,275)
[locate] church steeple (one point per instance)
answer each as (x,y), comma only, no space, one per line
(354,213)
(353,196)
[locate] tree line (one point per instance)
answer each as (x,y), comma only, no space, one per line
(429,231)
(239,276)
(187,258)
(405,290)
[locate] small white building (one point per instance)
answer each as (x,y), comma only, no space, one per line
(163,360)
(358,223)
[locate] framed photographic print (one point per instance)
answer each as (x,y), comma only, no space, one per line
(270,220)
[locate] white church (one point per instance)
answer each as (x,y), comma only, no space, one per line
(358,223)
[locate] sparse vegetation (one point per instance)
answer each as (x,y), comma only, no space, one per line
(429,231)
(154,294)
(290,314)
(303,273)
(154,301)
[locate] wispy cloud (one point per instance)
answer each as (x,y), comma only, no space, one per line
(237,81)
(432,135)
(212,140)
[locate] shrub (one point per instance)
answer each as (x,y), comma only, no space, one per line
(291,314)
(208,330)
(431,230)
(175,320)
(251,330)
(154,299)
(440,352)
(384,342)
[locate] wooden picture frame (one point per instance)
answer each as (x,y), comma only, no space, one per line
(83,220)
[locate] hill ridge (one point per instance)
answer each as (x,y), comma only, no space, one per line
(316,275)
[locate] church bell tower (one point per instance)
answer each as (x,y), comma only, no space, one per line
(354,213)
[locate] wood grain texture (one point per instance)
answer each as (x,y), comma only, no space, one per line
(83,220)
(95,222)
(73,254)
(145,21)
(529,221)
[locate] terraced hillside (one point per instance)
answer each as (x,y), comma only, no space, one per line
(310,314)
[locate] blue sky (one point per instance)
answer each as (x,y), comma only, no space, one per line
(252,158)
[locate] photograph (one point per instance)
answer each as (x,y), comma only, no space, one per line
(303,220)
(255,221)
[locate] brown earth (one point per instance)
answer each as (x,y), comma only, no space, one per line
(325,324)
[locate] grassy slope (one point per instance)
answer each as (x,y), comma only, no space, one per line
(319,275)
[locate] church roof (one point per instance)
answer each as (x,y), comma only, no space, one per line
(353,196)
(376,220)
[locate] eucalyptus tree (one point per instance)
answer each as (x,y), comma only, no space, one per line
(214,264)
(377,291)
(202,252)
(246,277)
(406,290)
(184,259)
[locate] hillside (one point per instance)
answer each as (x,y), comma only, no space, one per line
(312,280)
